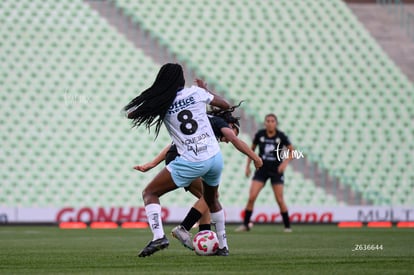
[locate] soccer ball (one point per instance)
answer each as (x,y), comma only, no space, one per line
(205,243)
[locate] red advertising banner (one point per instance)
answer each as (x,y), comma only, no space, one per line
(175,214)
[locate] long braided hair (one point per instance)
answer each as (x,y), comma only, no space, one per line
(151,106)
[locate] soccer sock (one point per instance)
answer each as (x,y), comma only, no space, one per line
(202,227)
(153,212)
(218,218)
(286,221)
(190,220)
(247,216)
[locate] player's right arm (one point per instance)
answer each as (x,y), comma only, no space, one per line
(153,163)
(220,102)
(247,171)
(217,101)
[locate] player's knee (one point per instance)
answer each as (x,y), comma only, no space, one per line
(146,194)
(214,207)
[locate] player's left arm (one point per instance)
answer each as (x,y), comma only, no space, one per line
(285,162)
(153,163)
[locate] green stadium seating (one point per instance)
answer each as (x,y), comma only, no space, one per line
(312,62)
(68,73)
(64,140)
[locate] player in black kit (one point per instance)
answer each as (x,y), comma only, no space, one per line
(271,142)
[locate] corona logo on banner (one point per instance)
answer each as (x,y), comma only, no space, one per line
(300,217)
(175,214)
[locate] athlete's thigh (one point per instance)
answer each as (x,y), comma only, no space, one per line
(255,188)
(215,168)
(162,183)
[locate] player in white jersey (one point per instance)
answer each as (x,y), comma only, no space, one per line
(226,129)
(183,110)
(187,122)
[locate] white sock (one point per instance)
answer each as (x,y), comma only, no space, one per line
(218,218)
(153,212)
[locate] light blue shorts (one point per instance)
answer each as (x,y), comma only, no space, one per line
(184,172)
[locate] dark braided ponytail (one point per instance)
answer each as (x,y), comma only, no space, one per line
(151,106)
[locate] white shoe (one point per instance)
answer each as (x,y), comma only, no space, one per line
(181,234)
(287,230)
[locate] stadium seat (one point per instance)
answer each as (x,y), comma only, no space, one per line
(329,82)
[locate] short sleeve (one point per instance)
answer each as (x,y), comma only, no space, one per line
(204,95)
(285,140)
(256,138)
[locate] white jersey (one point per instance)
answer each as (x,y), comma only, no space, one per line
(188,125)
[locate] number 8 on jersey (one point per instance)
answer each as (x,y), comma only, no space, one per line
(188,125)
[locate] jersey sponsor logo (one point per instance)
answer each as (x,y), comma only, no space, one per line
(181,104)
(269,150)
(197,149)
(193,144)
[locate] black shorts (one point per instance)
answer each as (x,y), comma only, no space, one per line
(264,173)
(171,154)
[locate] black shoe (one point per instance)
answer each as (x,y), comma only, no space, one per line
(222,252)
(154,246)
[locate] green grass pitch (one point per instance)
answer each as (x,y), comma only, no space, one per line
(309,249)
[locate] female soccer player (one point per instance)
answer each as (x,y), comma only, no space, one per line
(270,141)
(183,111)
(226,128)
